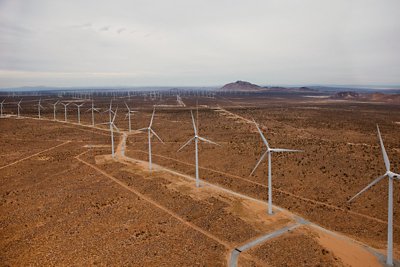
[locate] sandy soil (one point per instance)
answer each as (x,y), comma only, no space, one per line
(50,201)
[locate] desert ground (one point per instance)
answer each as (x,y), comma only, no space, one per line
(66,201)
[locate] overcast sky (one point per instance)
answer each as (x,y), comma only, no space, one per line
(200,43)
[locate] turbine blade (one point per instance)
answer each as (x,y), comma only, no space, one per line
(284,150)
(194,124)
(258,163)
(152,116)
(115,115)
(208,141)
(142,129)
(127,106)
(156,135)
(262,135)
(385,156)
(368,186)
(187,143)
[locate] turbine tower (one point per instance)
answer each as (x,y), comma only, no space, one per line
(79,112)
(128,114)
(1,108)
(54,110)
(112,126)
(19,107)
(391,176)
(39,106)
(196,139)
(269,153)
(149,132)
(65,110)
(93,109)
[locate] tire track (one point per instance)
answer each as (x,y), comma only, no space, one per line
(31,156)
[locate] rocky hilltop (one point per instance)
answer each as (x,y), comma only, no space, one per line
(346,95)
(241,86)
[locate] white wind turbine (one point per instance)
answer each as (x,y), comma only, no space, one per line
(54,110)
(79,111)
(39,107)
(112,126)
(149,132)
(19,107)
(391,175)
(269,153)
(196,139)
(110,111)
(65,110)
(93,109)
(128,114)
(1,108)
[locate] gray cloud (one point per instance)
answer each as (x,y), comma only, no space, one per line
(199,42)
(104,29)
(120,30)
(82,26)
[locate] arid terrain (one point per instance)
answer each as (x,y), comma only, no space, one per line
(65,201)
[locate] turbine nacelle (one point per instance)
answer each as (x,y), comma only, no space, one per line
(393,175)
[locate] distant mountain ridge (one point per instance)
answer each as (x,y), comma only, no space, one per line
(243,86)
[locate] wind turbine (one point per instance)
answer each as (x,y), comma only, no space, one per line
(54,109)
(65,110)
(129,115)
(269,153)
(110,111)
(149,132)
(79,112)
(391,175)
(112,126)
(39,106)
(93,109)
(196,141)
(1,108)
(19,107)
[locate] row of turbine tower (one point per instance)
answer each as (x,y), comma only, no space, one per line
(93,109)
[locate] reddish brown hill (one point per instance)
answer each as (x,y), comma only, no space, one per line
(241,86)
